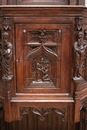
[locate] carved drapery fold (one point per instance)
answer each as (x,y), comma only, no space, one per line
(7,50)
(79,55)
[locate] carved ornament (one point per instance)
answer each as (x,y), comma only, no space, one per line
(6,24)
(42,112)
(78,23)
(41,68)
(6,51)
(79,56)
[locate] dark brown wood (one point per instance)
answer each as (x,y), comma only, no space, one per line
(43,60)
(42,2)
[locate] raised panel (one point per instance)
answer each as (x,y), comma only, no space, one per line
(42,58)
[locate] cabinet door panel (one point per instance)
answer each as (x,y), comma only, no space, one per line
(42,56)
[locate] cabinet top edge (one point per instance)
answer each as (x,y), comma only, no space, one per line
(42,6)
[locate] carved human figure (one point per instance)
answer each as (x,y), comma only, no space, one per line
(42,69)
(79,49)
(7,54)
(79,23)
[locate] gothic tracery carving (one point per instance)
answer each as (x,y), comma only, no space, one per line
(42,112)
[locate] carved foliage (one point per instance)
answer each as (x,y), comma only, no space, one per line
(7,51)
(42,112)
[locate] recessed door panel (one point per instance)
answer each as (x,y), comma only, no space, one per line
(42,57)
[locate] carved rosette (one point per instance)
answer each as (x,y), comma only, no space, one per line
(7,50)
(42,112)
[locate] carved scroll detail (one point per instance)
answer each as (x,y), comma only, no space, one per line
(42,112)
(78,23)
(7,51)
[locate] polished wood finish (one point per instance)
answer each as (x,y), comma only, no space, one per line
(42,2)
(43,75)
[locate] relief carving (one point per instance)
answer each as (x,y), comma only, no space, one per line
(41,68)
(23,111)
(6,24)
(79,54)
(42,53)
(78,23)
(42,112)
(6,50)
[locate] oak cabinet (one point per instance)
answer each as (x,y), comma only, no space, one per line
(43,64)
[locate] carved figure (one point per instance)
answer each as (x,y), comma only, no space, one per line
(42,69)
(7,56)
(79,49)
(79,23)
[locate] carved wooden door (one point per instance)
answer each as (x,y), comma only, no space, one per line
(42,56)
(43,53)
